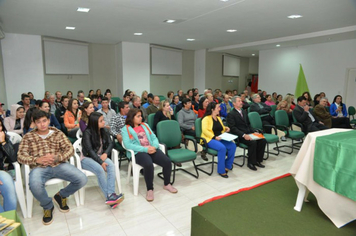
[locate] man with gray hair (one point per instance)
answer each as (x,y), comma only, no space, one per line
(237,120)
(52,104)
(262,109)
(322,114)
(136,103)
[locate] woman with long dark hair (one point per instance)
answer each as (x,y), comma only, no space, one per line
(97,146)
(28,124)
(203,103)
(44,106)
(212,127)
(138,137)
(86,109)
(72,117)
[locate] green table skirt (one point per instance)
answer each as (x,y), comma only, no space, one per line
(335,163)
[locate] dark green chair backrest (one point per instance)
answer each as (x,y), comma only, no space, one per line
(169,133)
(248,109)
(294,119)
(150,120)
(281,118)
(351,110)
(328,109)
(273,111)
(198,129)
(116,99)
(161,97)
(255,120)
(175,113)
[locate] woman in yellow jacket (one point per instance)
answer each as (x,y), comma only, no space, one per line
(212,127)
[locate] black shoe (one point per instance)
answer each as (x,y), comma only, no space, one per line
(251,166)
(259,164)
(47,216)
(61,202)
(203,156)
(224,175)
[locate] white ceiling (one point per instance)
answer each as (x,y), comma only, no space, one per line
(260,24)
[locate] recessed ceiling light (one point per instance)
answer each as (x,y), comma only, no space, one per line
(70,28)
(190,40)
(138,34)
(169,21)
(278,45)
(253,55)
(83,9)
(224,0)
(294,16)
(231,30)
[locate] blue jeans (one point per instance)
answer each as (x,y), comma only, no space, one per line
(222,147)
(39,176)
(106,183)
(8,192)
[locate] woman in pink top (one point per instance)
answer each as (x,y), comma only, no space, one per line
(269,100)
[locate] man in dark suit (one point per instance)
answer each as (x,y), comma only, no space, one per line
(237,121)
(262,109)
(304,116)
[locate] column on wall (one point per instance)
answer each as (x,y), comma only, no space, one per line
(199,70)
(133,67)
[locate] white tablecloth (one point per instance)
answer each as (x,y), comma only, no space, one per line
(340,210)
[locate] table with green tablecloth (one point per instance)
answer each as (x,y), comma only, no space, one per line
(12,215)
(335,163)
(323,166)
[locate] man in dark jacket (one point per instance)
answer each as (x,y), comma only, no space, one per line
(237,120)
(304,116)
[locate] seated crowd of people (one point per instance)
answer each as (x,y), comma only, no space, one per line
(49,125)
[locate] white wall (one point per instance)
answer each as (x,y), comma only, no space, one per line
(23,66)
(324,66)
(136,66)
(2,84)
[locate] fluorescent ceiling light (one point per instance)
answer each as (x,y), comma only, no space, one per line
(70,28)
(83,9)
(278,45)
(138,34)
(169,21)
(294,16)
(190,40)
(231,30)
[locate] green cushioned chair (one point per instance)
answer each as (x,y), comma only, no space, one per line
(161,97)
(256,124)
(169,134)
(202,141)
(282,123)
(352,112)
(116,99)
(273,111)
(150,120)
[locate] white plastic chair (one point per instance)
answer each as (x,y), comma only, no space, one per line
(49,182)
(16,138)
(135,169)
(114,156)
(79,134)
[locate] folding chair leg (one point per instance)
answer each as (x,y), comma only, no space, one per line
(208,163)
(160,175)
(274,153)
(243,159)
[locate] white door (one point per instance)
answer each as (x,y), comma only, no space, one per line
(350,98)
